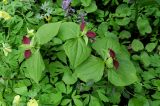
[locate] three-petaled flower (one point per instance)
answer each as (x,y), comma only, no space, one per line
(27,52)
(90,34)
(113,56)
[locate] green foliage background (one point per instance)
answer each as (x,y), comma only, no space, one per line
(68,69)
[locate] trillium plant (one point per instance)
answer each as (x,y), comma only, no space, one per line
(79,53)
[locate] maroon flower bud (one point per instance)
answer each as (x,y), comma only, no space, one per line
(27,54)
(83,24)
(91,34)
(116,64)
(26,40)
(112,53)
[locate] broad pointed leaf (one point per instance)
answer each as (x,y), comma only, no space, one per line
(124,75)
(69,30)
(77,51)
(91,69)
(46,32)
(34,66)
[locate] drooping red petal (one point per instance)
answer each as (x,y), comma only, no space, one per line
(91,34)
(26,40)
(83,24)
(116,64)
(27,54)
(112,53)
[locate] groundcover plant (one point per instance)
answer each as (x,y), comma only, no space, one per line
(79,53)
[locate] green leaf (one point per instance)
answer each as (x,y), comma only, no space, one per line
(158,2)
(145,59)
(102,28)
(125,74)
(150,47)
(46,32)
(60,86)
(137,45)
(69,30)
(18,26)
(115,96)
(124,34)
(86,100)
(69,89)
(91,8)
(85,39)
(102,96)
(75,2)
(34,66)
(51,98)
(148,2)
(69,78)
(122,21)
(105,2)
(123,10)
(91,69)
(78,102)
(56,41)
(156,95)
(21,90)
(65,102)
(143,25)
(94,101)
(148,75)
(86,2)
(140,101)
(156,83)
(62,56)
(155,103)
(77,51)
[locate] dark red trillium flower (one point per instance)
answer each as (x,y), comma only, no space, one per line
(91,34)
(26,40)
(112,53)
(116,64)
(27,54)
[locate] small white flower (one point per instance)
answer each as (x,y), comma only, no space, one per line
(30,32)
(16,100)
(5,1)
(32,102)
(6,48)
(4,15)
